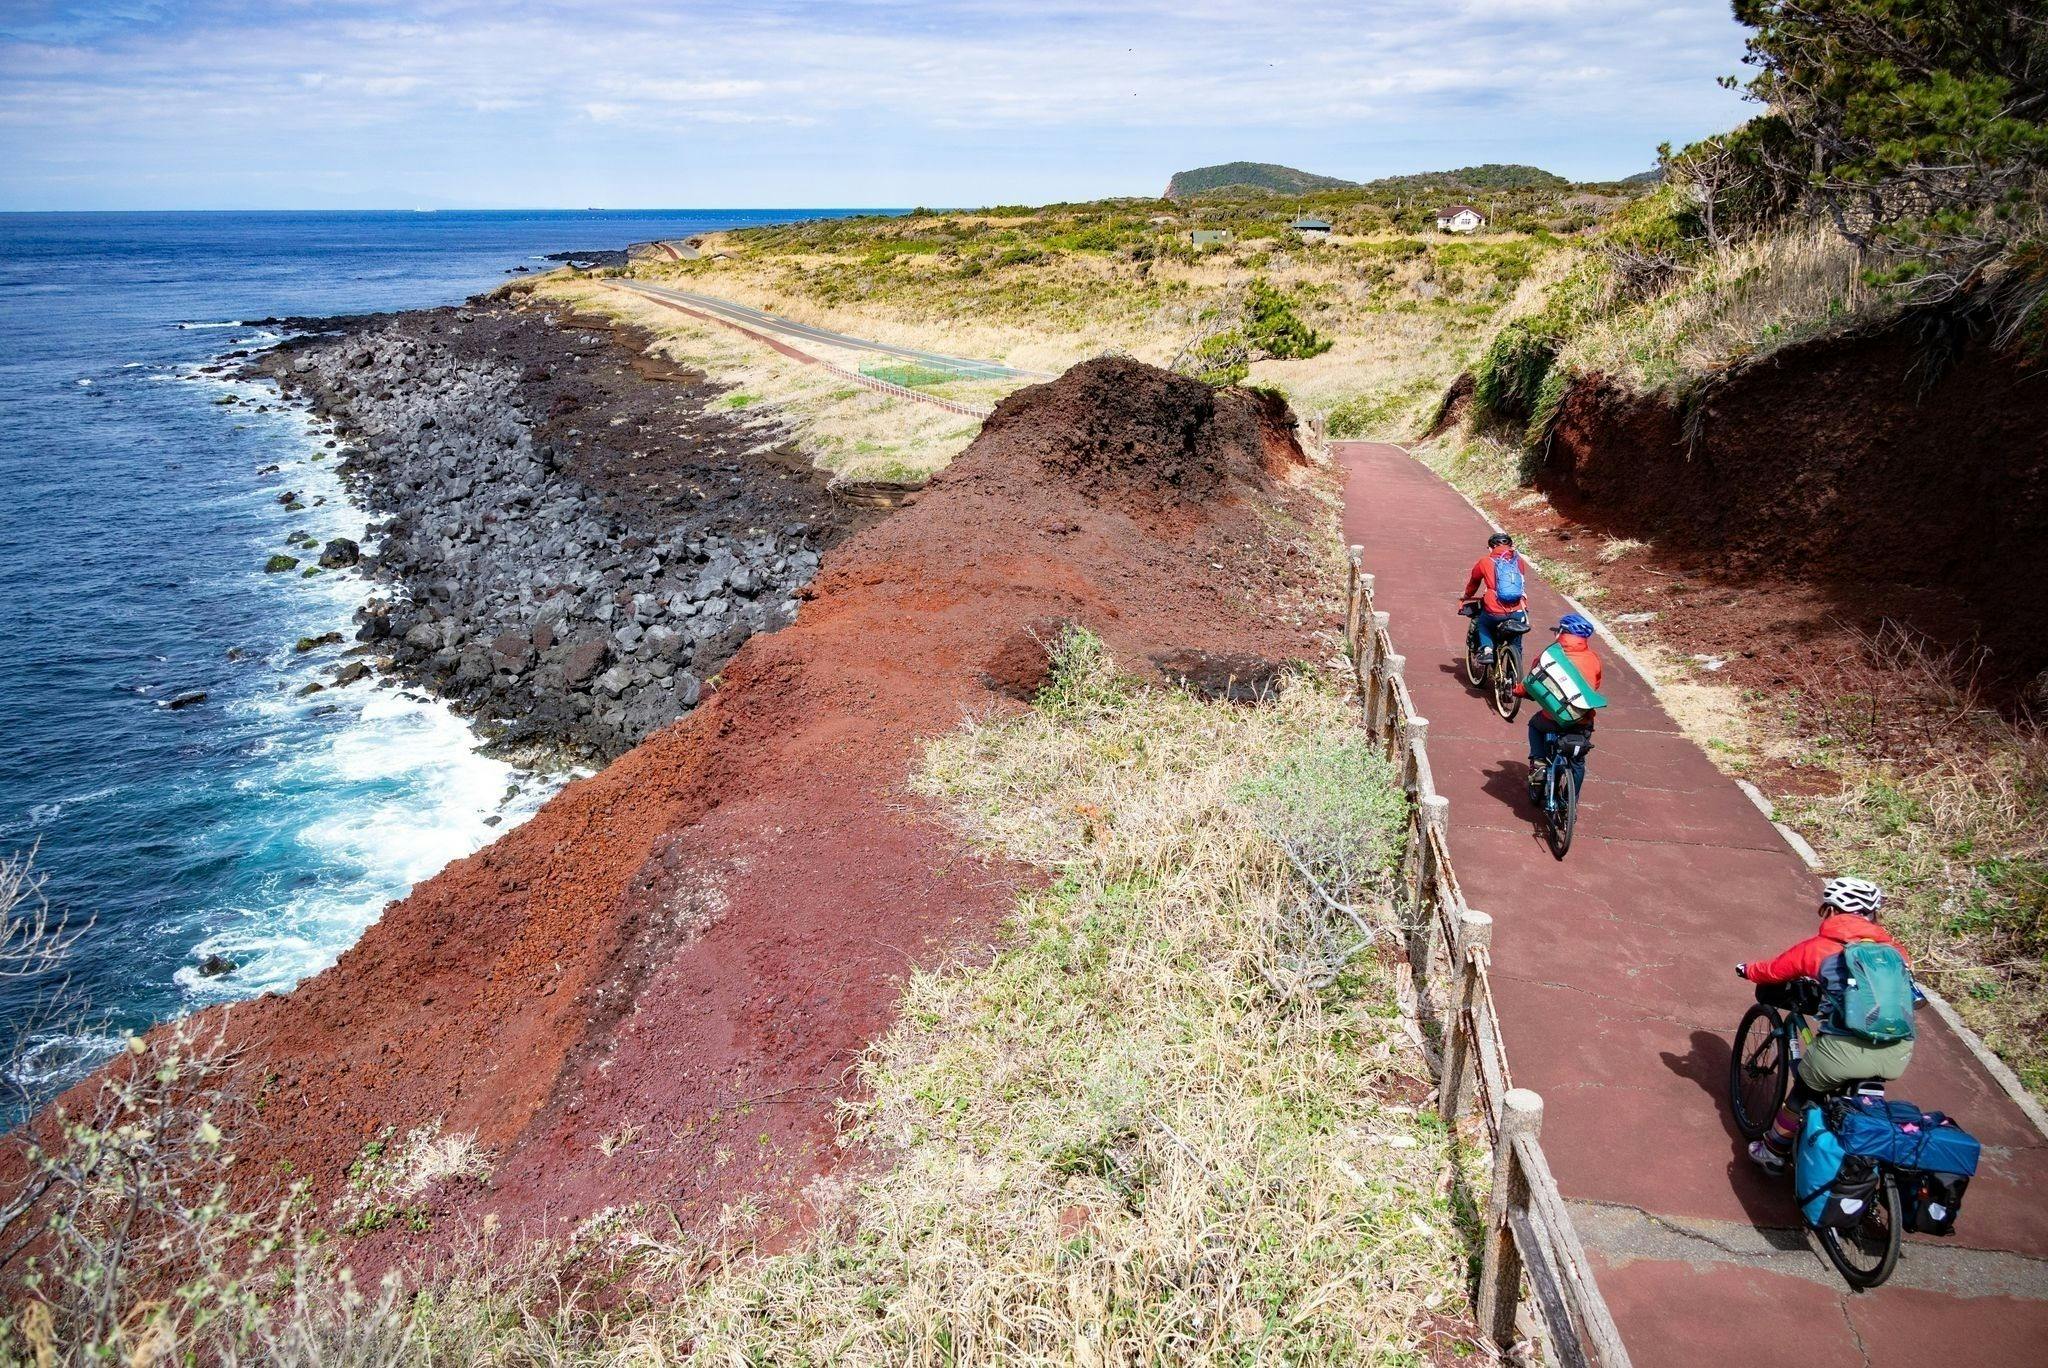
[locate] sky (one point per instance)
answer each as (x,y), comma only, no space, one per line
(231,104)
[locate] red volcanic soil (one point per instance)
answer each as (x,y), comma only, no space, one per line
(1881,475)
(686,953)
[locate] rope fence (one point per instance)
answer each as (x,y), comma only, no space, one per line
(1534,1271)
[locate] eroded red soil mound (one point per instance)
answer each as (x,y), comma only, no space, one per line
(653,991)
(1882,477)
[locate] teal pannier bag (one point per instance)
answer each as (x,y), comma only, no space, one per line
(1835,1187)
(1877,993)
(1560,690)
(1815,1167)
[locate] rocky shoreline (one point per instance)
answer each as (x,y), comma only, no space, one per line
(574,536)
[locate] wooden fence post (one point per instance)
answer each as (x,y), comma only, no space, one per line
(1500,1273)
(1432,814)
(1353,606)
(1389,699)
(1462,1040)
(1415,738)
(1373,632)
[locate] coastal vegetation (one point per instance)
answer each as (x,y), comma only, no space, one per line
(1178,1116)
(1403,307)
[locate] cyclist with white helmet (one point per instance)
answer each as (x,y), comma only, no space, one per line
(1836,1056)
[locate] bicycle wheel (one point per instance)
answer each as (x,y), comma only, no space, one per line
(1507,672)
(1759,1071)
(1563,809)
(1475,673)
(1866,1256)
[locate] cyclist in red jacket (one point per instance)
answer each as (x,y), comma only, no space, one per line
(1483,587)
(1848,910)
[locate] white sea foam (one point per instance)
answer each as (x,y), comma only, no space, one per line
(230,323)
(59,1057)
(384,796)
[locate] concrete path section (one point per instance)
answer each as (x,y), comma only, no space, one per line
(1614,972)
(727,311)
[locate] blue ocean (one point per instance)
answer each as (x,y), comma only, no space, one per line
(259,826)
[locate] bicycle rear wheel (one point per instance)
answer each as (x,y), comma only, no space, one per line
(1866,1256)
(1475,673)
(1507,672)
(1563,810)
(1759,1071)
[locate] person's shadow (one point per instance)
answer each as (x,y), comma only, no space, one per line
(1767,1201)
(1507,782)
(1455,668)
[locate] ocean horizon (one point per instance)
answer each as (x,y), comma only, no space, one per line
(261,826)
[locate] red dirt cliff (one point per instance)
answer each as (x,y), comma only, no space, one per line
(690,949)
(1908,481)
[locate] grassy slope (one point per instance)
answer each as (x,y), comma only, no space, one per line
(1136,1136)
(1407,307)
(1174,1119)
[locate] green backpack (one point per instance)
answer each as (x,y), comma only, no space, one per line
(1560,690)
(1877,993)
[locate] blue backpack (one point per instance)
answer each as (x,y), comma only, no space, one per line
(1507,579)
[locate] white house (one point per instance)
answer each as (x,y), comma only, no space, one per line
(1312,229)
(1460,218)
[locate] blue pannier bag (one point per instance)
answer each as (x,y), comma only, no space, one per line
(1934,1157)
(1900,1134)
(1507,579)
(1834,1187)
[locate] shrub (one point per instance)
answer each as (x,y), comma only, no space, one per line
(1922,127)
(1276,330)
(1510,377)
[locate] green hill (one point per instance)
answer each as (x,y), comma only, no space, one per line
(1491,176)
(1240,175)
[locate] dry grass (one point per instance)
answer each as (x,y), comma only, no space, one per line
(1479,464)
(854,432)
(1406,314)
(1944,801)
(1139,1135)
(1745,300)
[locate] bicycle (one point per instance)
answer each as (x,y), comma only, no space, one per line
(1499,675)
(1559,797)
(1768,1044)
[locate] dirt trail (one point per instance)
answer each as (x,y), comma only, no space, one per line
(1614,978)
(654,990)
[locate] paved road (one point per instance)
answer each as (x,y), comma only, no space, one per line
(771,323)
(1614,975)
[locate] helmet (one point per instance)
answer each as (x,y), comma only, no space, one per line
(1575,625)
(1860,896)
(1500,539)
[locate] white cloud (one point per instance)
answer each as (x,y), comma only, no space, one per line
(887,78)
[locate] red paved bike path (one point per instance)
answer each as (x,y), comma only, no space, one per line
(1614,976)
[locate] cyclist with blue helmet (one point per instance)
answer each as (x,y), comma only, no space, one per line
(1567,676)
